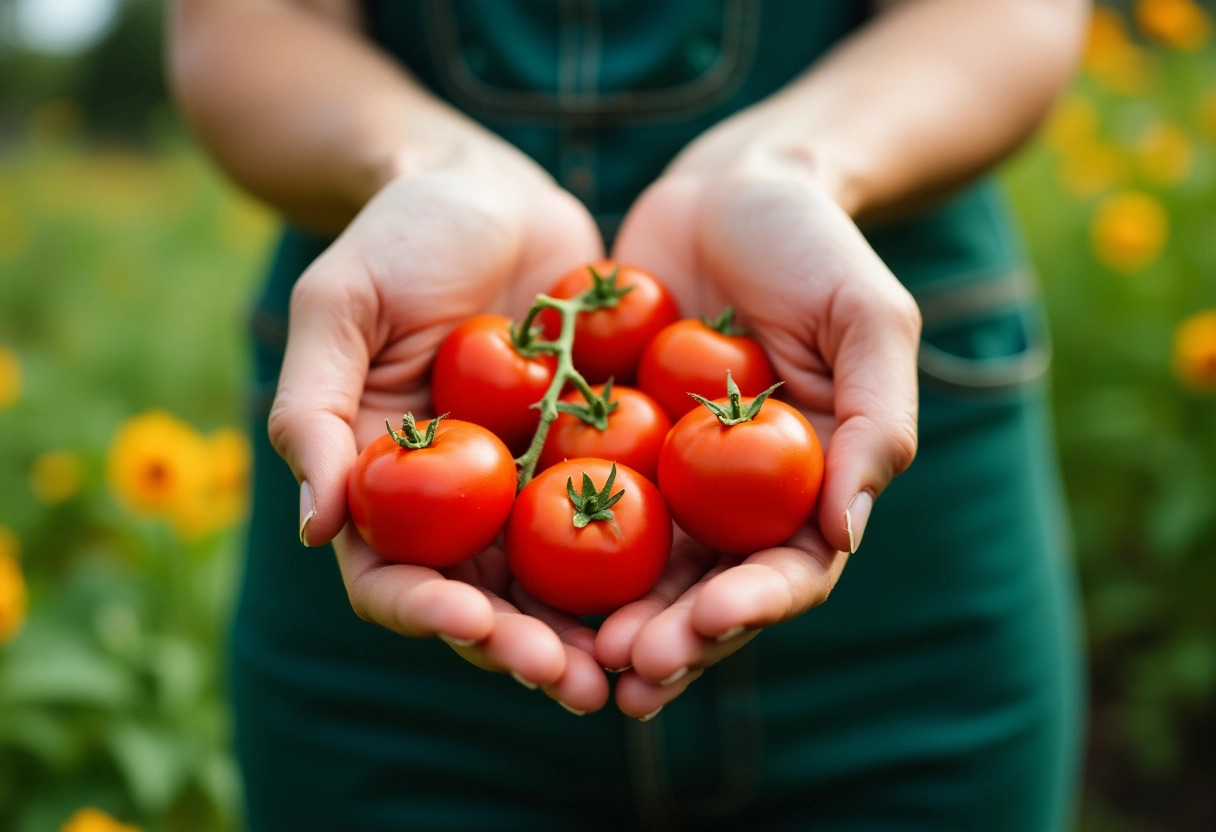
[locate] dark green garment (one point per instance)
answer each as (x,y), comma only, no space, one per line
(938,689)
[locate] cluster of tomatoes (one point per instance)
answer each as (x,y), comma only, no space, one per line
(624,422)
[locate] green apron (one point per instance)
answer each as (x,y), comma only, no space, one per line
(939,689)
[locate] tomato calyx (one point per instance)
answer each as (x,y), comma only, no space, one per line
(724,323)
(525,338)
(734,412)
(410,438)
(604,293)
(591,504)
(597,409)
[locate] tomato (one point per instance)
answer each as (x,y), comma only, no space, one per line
(608,342)
(479,376)
(614,557)
(632,435)
(434,505)
(741,487)
(690,356)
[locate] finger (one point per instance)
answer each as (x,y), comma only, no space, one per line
(323,374)
(669,647)
(768,588)
(873,335)
(523,646)
(583,688)
(643,700)
(615,638)
(414,601)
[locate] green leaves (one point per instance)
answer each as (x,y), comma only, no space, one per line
(591,504)
(734,412)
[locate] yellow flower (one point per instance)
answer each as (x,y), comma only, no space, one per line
(1093,167)
(14,597)
(1182,24)
(1111,57)
(56,476)
(157,464)
(1129,231)
(10,378)
(1195,351)
(1073,123)
(1165,154)
(224,499)
(89,819)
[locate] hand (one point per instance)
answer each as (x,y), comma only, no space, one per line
(426,252)
(762,234)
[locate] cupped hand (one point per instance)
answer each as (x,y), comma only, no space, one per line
(427,252)
(763,235)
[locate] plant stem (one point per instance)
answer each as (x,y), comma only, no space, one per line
(563,348)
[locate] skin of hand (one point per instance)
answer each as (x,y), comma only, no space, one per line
(765,237)
(425,253)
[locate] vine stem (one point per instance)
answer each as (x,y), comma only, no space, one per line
(562,348)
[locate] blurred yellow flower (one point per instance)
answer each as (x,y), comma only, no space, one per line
(10,378)
(89,819)
(157,464)
(224,499)
(14,598)
(1111,57)
(1165,154)
(1182,24)
(56,476)
(1073,123)
(1129,231)
(1092,168)
(1195,351)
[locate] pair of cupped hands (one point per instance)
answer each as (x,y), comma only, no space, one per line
(480,234)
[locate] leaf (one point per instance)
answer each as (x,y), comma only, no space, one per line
(153,762)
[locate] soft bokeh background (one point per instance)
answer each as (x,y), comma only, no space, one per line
(126,265)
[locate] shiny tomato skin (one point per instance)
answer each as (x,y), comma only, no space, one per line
(746,487)
(479,377)
(635,434)
(608,342)
(691,357)
(434,506)
(593,570)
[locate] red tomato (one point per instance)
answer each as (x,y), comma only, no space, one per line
(435,505)
(606,563)
(744,487)
(690,356)
(633,434)
(608,342)
(480,377)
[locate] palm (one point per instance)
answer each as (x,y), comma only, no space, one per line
(778,254)
(422,257)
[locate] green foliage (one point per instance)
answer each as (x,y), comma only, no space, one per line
(123,288)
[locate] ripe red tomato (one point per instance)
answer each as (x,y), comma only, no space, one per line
(743,487)
(480,377)
(690,356)
(632,435)
(602,564)
(608,342)
(434,505)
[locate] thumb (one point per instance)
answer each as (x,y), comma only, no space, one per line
(877,334)
(324,370)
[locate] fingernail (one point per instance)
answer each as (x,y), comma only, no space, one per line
(650,715)
(675,677)
(855,518)
(731,633)
(523,681)
(457,642)
(308,510)
(574,711)
(619,669)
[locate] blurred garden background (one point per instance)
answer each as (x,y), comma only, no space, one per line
(126,268)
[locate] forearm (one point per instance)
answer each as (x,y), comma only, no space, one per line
(927,96)
(305,113)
